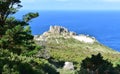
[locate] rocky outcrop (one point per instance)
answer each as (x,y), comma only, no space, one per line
(58,30)
(55,32)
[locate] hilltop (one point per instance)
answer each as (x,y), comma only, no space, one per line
(64,45)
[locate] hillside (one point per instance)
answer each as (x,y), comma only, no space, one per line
(64,45)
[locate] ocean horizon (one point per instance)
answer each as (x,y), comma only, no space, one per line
(103,25)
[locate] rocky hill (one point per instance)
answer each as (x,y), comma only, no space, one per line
(54,32)
(64,45)
(59,31)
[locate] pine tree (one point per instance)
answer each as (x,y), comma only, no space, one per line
(16,41)
(15,35)
(97,65)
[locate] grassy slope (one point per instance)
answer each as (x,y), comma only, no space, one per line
(75,51)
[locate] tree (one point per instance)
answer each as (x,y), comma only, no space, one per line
(16,41)
(7,8)
(97,65)
(15,35)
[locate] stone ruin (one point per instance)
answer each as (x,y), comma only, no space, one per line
(58,30)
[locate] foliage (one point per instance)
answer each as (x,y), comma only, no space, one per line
(30,16)
(69,49)
(16,43)
(97,65)
(17,47)
(15,35)
(8,7)
(62,71)
(11,63)
(17,40)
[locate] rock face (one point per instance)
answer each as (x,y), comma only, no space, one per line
(58,30)
(68,66)
(85,39)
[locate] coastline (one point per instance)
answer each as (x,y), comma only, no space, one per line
(104,25)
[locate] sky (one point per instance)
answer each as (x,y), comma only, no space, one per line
(71,4)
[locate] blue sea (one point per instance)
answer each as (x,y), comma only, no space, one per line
(103,25)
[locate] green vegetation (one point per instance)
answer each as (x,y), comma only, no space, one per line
(73,50)
(15,35)
(97,65)
(69,49)
(62,71)
(19,54)
(11,63)
(17,48)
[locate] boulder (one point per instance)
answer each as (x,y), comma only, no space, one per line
(68,66)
